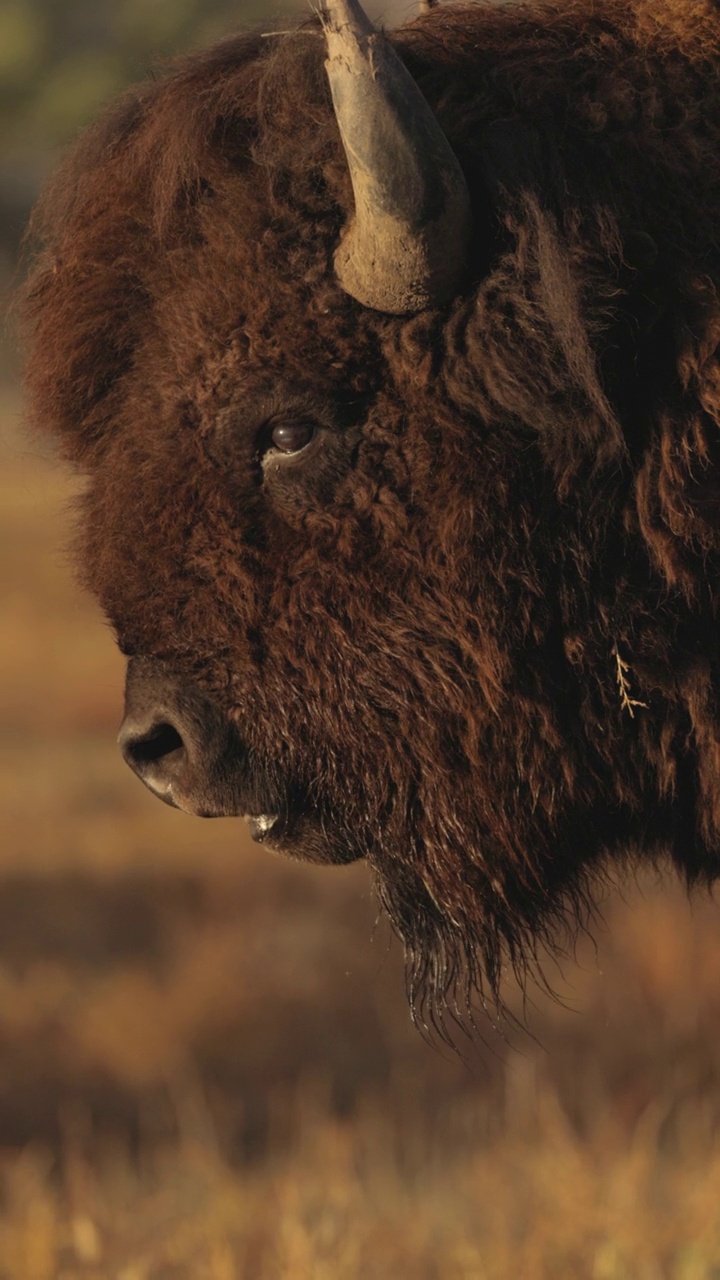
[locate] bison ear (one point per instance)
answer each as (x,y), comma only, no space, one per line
(406,246)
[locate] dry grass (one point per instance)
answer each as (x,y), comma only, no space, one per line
(206,1062)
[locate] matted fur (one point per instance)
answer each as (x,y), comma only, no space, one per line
(485,647)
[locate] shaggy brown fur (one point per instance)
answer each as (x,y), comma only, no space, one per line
(474,636)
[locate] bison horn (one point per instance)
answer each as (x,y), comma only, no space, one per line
(406,246)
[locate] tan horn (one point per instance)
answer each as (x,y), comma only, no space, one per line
(405,248)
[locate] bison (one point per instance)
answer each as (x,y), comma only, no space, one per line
(392,365)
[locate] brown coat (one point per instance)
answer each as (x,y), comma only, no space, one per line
(474,633)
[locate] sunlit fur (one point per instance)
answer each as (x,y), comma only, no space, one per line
(488,652)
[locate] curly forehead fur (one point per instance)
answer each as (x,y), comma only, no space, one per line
(478,634)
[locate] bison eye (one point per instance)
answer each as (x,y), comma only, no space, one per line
(291,437)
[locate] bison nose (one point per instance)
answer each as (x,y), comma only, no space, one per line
(156,753)
(179,743)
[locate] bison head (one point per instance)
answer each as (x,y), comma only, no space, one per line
(402,484)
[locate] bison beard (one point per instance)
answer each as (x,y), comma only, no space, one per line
(468,629)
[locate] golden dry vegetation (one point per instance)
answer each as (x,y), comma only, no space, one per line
(207,1067)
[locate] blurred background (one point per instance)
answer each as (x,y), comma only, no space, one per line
(207,1065)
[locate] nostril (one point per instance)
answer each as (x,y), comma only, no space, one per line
(178,742)
(155,746)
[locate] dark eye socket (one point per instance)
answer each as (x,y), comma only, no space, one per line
(291,437)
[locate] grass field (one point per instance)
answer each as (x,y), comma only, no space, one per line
(207,1067)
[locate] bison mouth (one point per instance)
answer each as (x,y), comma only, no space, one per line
(263,826)
(282,831)
(302,833)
